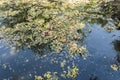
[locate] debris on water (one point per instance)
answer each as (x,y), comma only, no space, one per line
(38,78)
(47,76)
(72,72)
(89,30)
(109,29)
(115,67)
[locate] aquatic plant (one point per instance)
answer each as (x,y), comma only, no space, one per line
(49,26)
(48,23)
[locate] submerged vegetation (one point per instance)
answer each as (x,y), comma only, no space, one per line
(50,24)
(47,26)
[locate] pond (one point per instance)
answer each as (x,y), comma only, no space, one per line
(57,40)
(103,55)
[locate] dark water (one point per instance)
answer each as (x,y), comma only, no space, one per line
(103,50)
(103,47)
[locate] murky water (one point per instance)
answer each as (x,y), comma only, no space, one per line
(104,51)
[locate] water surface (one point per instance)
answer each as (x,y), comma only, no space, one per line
(103,48)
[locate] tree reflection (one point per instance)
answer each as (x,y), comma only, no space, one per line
(52,24)
(112,9)
(116,44)
(43,25)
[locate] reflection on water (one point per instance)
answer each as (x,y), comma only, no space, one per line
(116,44)
(25,64)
